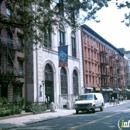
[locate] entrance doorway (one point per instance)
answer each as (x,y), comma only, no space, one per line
(49,85)
(4,90)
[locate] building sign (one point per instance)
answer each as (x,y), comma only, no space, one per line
(63,55)
(97,89)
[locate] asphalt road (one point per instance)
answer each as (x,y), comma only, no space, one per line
(109,119)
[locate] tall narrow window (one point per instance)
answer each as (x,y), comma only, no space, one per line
(47,39)
(73,16)
(75,83)
(10,69)
(64,86)
(61,7)
(10,38)
(8,13)
(20,42)
(61,35)
(20,67)
(73,41)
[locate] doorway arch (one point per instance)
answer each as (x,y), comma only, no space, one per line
(49,84)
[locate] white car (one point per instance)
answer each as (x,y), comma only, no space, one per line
(89,101)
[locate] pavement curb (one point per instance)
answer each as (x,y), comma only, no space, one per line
(17,126)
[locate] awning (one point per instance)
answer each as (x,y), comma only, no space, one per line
(89,88)
(119,89)
(107,89)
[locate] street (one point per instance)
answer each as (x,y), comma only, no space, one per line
(106,120)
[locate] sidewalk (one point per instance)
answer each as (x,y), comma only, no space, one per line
(21,121)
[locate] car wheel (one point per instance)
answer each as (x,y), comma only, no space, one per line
(101,108)
(87,111)
(93,110)
(77,112)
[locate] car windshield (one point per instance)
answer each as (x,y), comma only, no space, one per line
(85,97)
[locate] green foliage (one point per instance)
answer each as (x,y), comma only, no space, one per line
(22,102)
(33,15)
(35,108)
(7,109)
(3,101)
(10,109)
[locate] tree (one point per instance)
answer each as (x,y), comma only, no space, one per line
(124,4)
(36,17)
(43,15)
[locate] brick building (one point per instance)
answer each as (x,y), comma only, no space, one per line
(11,58)
(103,64)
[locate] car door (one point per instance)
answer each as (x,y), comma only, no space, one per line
(96,100)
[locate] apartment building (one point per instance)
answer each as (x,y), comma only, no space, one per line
(103,64)
(127,55)
(11,59)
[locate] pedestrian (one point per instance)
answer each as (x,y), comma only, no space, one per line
(110,100)
(113,99)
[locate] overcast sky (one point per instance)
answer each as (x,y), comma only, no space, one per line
(111,28)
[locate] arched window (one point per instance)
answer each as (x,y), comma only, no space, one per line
(49,87)
(48,73)
(73,42)
(75,83)
(61,35)
(64,85)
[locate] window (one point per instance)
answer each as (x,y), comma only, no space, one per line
(61,7)
(73,16)
(73,44)
(19,13)
(9,39)
(75,82)
(10,69)
(20,64)
(61,35)
(64,86)
(85,97)
(8,13)
(20,42)
(48,73)
(20,67)
(47,39)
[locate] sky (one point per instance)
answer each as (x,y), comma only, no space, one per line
(111,28)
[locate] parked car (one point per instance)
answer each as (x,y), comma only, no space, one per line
(89,101)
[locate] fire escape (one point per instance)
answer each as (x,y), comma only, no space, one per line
(120,73)
(8,71)
(112,66)
(104,61)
